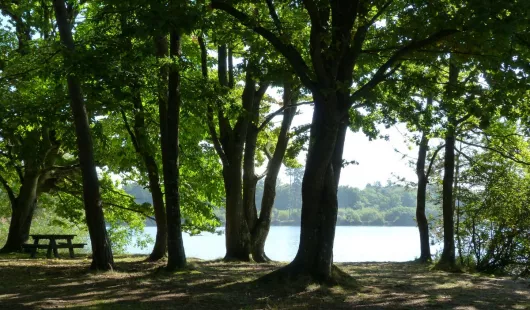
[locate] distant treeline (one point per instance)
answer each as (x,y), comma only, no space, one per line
(375,205)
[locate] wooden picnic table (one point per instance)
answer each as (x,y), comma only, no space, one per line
(53,245)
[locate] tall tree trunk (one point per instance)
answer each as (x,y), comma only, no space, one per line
(456,206)
(144,149)
(102,258)
(261,228)
(250,180)
(447,260)
(421,218)
(319,198)
(160,247)
(236,231)
(170,159)
(319,193)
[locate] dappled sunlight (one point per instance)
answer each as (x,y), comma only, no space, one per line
(207,284)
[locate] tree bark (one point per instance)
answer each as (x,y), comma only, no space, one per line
(144,149)
(233,141)
(102,258)
(170,159)
(319,194)
(262,226)
(22,213)
(447,260)
(421,218)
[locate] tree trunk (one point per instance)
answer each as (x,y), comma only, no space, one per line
(145,150)
(447,260)
(236,231)
(170,159)
(22,214)
(233,142)
(261,228)
(160,247)
(456,206)
(319,194)
(143,147)
(421,218)
(319,200)
(102,258)
(250,180)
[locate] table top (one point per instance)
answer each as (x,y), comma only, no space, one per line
(52,236)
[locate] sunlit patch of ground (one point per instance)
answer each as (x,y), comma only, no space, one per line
(136,284)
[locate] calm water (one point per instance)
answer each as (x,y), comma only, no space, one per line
(352,244)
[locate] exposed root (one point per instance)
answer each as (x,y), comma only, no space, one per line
(229,259)
(294,275)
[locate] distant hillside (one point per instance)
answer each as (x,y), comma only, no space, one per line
(391,205)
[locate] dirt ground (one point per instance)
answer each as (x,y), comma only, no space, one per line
(67,283)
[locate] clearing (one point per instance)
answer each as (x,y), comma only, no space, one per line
(66,283)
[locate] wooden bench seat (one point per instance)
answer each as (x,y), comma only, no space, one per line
(61,245)
(34,246)
(64,245)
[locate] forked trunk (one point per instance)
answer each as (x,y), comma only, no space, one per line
(102,258)
(262,226)
(421,218)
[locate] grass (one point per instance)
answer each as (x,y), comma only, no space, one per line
(66,283)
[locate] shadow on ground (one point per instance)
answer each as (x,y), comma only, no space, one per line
(66,283)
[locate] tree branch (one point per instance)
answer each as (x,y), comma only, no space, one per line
(128,209)
(215,138)
(274,16)
(288,51)
(128,128)
(485,147)
(271,116)
(381,73)
(433,157)
(209,111)
(9,191)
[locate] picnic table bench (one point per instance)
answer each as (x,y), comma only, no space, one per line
(53,245)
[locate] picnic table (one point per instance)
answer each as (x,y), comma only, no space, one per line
(53,245)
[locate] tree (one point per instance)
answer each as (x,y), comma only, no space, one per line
(337,36)
(259,226)
(102,258)
(33,127)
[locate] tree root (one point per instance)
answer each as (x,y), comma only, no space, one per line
(293,274)
(447,267)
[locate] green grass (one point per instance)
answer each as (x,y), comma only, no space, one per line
(135,284)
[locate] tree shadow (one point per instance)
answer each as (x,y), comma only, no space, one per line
(138,284)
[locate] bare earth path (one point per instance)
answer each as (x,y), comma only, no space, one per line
(67,283)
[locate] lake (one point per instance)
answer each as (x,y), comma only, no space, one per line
(352,244)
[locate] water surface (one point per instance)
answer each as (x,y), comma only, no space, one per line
(352,244)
